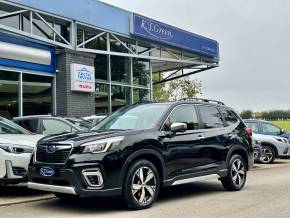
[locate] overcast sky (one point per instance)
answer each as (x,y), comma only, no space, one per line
(254,37)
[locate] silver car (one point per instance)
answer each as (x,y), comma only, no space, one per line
(272,147)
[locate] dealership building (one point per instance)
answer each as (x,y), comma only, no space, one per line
(85,57)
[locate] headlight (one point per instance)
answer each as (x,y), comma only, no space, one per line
(16,149)
(101,146)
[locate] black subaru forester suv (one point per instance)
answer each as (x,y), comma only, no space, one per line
(144,147)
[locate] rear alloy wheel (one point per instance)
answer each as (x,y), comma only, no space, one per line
(141,186)
(268,155)
(237,174)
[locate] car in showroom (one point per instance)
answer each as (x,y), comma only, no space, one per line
(51,125)
(16,147)
(272,146)
(141,148)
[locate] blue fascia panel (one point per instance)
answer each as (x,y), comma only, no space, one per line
(114,19)
(165,34)
(27,65)
(90,12)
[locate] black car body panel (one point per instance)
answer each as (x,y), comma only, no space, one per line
(176,155)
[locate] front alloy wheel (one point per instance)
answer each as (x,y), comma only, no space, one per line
(268,155)
(144,185)
(141,185)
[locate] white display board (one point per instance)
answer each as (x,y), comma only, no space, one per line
(82,78)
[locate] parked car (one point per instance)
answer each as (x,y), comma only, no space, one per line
(267,128)
(50,125)
(272,146)
(141,148)
(258,150)
(16,147)
(94,119)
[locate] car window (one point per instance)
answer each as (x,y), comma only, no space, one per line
(210,117)
(9,127)
(51,126)
(253,126)
(183,114)
(30,125)
(270,129)
(229,116)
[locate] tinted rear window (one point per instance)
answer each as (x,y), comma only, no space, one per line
(229,116)
(210,117)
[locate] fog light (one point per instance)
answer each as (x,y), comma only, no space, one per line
(93,178)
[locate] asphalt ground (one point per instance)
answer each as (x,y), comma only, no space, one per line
(266,194)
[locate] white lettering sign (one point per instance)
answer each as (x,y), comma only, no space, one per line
(82,78)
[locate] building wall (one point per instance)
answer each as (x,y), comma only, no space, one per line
(72,104)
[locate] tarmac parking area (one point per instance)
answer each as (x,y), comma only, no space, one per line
(265,195)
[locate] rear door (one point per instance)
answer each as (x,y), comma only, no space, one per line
(215,136)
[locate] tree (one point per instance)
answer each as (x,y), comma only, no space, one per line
(184,88)
(176,89)
(247,114)
(159,91)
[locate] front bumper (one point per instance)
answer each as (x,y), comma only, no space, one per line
(13,167)
(71,181)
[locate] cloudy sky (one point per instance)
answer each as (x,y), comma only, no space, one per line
(254,37)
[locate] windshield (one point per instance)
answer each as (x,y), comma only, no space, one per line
(80,123)
(136,117)
(8,127)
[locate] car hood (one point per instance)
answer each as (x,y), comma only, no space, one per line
(20,139)
(80,138)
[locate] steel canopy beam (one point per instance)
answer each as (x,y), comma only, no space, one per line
(181,76)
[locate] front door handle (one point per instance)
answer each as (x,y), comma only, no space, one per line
(200,137)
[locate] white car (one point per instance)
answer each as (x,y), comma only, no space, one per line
(16,147)
(272,147)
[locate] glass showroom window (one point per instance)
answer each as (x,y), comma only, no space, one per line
(99,43)
(101,67)
(102,99)
(120,97)
(120,69)
(9,93)
(37,95)
(141,95)
(141,72)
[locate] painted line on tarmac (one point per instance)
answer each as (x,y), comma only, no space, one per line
(5,204)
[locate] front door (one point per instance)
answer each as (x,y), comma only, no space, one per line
(184,149)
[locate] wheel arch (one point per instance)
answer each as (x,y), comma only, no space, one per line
(151,155)
(240,150)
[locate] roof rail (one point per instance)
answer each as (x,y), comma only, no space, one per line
(202,100)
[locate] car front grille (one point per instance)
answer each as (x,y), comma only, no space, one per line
(55,154)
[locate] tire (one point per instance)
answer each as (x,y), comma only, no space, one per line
(141,185)
(268,155)
(66,197)
(237,174)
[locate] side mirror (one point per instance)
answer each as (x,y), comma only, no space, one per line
(282,131)
(178,127)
